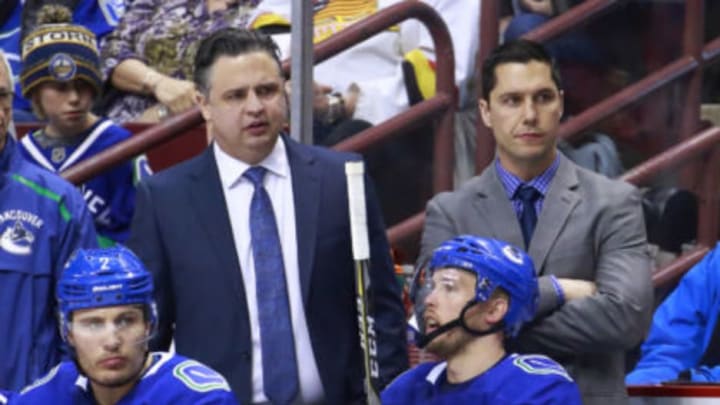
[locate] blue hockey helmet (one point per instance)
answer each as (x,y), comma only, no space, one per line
(496,264)
(95,278)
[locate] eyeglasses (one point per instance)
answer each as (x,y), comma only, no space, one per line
(6,98)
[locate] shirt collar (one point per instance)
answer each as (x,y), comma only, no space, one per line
(232,169)
(541,182)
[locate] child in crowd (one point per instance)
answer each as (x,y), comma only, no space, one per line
(61,78)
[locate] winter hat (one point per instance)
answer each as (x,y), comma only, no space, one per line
(57,50)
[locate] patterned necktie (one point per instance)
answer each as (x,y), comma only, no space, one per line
(280,375)
(528,195)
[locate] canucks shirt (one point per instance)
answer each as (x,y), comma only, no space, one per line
(110,196)
(43,220)
(516,379)
(170,379)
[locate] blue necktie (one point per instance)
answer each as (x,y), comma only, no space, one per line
(528,195)
(280,375)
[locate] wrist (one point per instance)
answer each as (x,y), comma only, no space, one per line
(336,108)
(558,290)
(150,81)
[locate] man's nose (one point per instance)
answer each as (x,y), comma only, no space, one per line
(530,113)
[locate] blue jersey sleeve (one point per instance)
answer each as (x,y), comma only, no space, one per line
(682,326)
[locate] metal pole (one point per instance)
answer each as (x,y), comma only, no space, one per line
(301,68)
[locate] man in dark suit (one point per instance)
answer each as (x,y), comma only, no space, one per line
(194,230)
(584,232)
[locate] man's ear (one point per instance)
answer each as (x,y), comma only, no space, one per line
(496,309)
(201,99)
(484,108)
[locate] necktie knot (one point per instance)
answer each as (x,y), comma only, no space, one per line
(255,174)
(527,194)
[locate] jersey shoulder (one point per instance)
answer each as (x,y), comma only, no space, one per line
(178,380)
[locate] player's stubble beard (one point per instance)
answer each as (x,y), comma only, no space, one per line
(449,343)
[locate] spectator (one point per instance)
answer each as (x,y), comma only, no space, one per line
(482,291)
(107,315)
(18,17)
(589,245)
(683,341)
(62,92)
(223,272)
(147,60)
(43,219)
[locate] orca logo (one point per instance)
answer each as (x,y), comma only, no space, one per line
(16,239)
(62,67)
(513,254)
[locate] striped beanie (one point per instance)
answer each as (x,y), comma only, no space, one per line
(59,52)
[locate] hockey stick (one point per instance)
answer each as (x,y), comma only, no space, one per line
(354,172)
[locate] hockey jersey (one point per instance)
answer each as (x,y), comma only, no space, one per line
(110,196)
(516,379)
(43,219)
(170,379)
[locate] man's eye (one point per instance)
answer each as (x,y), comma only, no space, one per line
(512,100)
(545,97)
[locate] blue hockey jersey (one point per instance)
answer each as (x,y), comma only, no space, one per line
(43,219)
(516,379)
(171,379)
(110,196)
(682,328)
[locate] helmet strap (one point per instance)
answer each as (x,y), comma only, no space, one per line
(423,339)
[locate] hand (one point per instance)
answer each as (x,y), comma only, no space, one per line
(574,289)
(320,101)
(544,7)
(178,95)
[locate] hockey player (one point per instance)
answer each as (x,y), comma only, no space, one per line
(107,316)
(61,78)
(480,292)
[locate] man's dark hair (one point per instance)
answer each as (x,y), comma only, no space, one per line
(229,42)
(517,51)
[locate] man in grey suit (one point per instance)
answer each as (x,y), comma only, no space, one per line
(584,232)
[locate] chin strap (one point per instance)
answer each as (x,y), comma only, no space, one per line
(423,339)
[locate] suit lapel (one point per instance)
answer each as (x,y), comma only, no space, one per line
(494,210)
(306,184)
(561,199)
(208,204)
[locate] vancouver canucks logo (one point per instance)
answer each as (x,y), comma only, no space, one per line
(62,67)
(57,154)
(17,239)
(513,253)
(17,229)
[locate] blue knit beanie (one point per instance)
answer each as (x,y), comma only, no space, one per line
(59,52)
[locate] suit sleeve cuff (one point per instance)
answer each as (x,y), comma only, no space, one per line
(549,300)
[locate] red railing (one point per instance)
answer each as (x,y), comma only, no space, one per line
(687,67)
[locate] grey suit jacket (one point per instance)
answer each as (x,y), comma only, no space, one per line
(590,228)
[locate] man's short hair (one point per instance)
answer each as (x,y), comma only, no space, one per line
(230,42)
(517,51)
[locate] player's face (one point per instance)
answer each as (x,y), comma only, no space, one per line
(451,290)
(110,344)
(66,106)
(6,97)
(245,105)
(524,111)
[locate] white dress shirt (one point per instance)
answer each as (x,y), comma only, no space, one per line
(238,193)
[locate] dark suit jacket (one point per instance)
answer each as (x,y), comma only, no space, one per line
(181,231)
(590,228)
